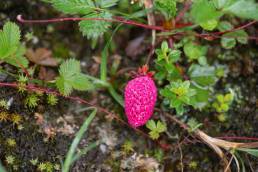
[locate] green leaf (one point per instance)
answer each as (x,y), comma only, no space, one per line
(64,87)
(18,59)
(227,41)
(200,99)
(70,68)
(219,4)
(253,152)
(9,39)
(106,3)
(174,55)
(73,6)
(95,28)
(166,7)
(247,9)
(71,78)
(202,75)
(224,26)
(151,125)
(161,127)
(209,25)
(154,135)
(156,129)
(71,155)
(81,82)
(204,10)
(193,51)
(241,36)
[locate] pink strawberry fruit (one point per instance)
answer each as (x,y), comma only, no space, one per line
(140,98)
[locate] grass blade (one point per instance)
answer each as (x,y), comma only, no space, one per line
(70,155)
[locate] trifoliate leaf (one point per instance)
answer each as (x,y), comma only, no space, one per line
(72,78)
(156,128)
(95,28)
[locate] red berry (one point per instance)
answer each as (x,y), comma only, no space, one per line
(140,98)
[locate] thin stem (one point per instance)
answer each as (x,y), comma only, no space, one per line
(115,20)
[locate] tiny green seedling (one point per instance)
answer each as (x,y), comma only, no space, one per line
(156,128)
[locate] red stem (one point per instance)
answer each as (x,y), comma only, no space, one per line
(237,28)
(115,19)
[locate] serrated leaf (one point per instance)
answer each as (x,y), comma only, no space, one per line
(166,7)
(18,58)
(64,87)
(74,6)
(95,28)
(72,78)
(70,68)
(9,39)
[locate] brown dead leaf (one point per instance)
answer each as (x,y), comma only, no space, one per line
(46,74)
(146,164)
(135,47)
(41,56)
